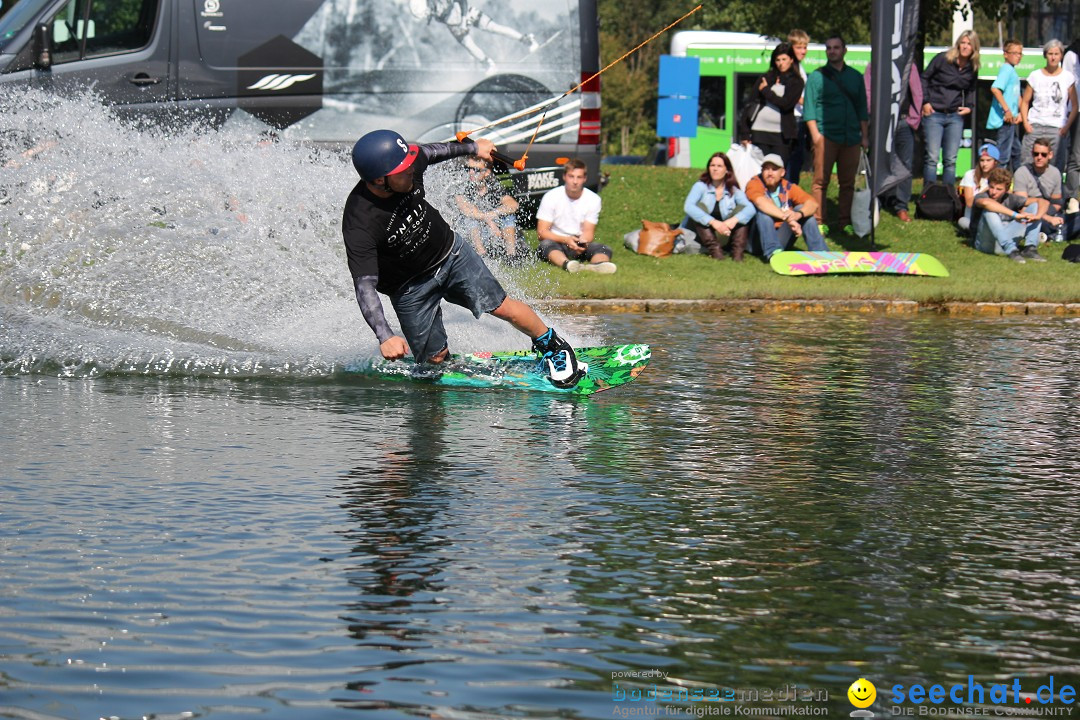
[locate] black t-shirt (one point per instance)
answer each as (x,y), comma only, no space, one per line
(402,236)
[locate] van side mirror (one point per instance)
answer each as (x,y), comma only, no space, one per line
(42,47)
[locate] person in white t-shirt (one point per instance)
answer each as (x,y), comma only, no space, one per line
(975,181)
(1048,106)
(566,223)
(1071,63)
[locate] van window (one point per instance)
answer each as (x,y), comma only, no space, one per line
(14,17)
(92,28)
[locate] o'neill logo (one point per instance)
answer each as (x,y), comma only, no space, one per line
(279,82)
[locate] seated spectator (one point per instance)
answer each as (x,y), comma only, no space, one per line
(784,211)
(489,213)
(566,223)
(717,210)
(1040,179)
(1000,218)
(974,181)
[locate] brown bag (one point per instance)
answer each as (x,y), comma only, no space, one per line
(656,239)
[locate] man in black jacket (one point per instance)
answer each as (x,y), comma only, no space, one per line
(399,245)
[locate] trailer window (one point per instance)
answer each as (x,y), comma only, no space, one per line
(712,102)
(92,28)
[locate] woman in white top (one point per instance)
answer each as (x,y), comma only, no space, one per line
(1048,105)
(975,181)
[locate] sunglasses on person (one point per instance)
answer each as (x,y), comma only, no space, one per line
(1036,153)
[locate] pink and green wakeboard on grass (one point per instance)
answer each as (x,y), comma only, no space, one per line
(803,262)
(609,367)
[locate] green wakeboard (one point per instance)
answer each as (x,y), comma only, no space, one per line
(609,366)
(803,262)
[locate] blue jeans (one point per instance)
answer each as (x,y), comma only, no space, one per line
(774,239)
(904,147)
(798,154)
(942,132)
(1009,146)
(1069,230)
(997,236)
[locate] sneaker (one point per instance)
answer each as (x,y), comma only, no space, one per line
(1016,257)
(1030,252)
(1073,206)
(603,268)
(824,229)
(558,360)
(572,266)
(849,230)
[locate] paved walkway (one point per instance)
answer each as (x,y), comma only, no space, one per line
(887,307)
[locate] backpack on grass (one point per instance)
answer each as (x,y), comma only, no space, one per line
(939,202)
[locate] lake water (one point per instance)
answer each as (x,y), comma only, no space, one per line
(201,516)
(775,502)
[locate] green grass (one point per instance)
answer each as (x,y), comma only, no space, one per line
(635,193)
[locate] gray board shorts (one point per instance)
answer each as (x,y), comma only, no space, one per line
(462,279)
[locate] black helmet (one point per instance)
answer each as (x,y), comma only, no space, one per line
(381,153)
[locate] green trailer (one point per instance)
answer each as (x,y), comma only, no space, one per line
(731,63)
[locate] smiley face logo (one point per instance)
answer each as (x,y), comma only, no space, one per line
(862,693)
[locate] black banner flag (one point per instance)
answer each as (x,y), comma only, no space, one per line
(894,28)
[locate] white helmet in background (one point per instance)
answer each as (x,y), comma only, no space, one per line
(420,9)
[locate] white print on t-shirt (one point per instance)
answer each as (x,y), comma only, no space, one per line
(1050,97)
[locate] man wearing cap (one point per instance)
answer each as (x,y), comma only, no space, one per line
(975,181)
(784,211)
(1040,179)
(399,245)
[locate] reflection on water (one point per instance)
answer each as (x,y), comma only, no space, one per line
(776,502)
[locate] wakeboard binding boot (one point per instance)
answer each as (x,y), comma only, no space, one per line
(558,360)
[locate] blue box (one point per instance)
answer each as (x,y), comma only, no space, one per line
(679,76)
(677,117)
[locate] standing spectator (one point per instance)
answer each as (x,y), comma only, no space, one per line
(1005,108)
(836,118)
(799,42)
(1000,218)
(716,209)
(948,97)
(566,224)
(903,140)
(1071,63)
(784,210)
(1048,106)
(975,181)
(773,126)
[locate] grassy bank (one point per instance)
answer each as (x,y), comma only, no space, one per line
(656,193)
